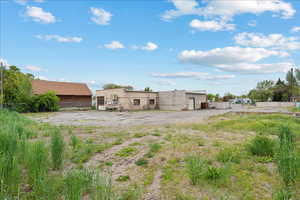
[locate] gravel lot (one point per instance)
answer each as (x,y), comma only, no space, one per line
(100,118)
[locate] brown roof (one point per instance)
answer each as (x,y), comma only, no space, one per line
(60,88)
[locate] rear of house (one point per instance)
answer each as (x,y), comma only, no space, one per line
(70,94)
(123,99)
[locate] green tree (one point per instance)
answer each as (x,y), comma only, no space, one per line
(47,102)
(17,89)
(280,91)
(113,86)
(263,91)
(292,84)
(148,89)
(228,96)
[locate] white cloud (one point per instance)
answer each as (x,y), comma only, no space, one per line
(39,15)
(211,25)
(196,75)
(255,68)
(42,78)
(150,46)
(114,45)
(100,16)
(295,29)
(228,9)
(227,55)
(4,62)
(34,68)
(59,38)
(23,2)
(236,59)
(164,82)
(274,41)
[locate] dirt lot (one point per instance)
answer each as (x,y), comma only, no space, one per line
(96,118)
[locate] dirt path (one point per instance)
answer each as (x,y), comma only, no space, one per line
(154,189)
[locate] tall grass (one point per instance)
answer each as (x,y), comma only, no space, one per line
(261,146)
(57,149)
(195,167)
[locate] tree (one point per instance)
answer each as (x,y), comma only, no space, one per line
(263,91)
(148,89)
(17,89)
(292,85)
(47,102)
(280,91)
(113,86)
(228,96)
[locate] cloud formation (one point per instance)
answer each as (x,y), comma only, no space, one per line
(295,29)
(274,41)
(150,46)
(228,9)
(37,14)
(236,59)
(100,16)
(34,68)
(195,75)
(211,25)
(114,45)
(59,38)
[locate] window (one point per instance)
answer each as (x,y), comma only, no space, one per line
(152,101)
(100,100)
(136,102)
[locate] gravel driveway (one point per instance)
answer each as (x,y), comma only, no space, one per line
(100,118)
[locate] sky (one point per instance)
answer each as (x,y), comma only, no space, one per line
(215,45)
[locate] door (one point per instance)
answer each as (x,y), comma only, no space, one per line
(191,103)
(100,103)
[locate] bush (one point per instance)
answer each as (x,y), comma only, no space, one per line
(262,146)
(47,102)
(57,149)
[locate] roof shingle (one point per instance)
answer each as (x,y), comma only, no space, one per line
(60,88)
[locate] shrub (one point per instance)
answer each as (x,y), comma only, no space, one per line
(47,102)
(229,155)
(261,146)
(57,149)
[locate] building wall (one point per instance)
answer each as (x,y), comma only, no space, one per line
(275,104)
(74,101)
(126,99)
(172,100)
(199,98)
(220,105)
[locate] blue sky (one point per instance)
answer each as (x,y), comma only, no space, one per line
(216,45)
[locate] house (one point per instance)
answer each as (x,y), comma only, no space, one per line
(123,99)
(182,100)
(70,94)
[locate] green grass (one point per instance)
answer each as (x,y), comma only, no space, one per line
(259,123)
(127,151)
(57,149)
(229,154)
(262,146)
(293,109)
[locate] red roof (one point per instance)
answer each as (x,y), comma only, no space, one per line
(60,88)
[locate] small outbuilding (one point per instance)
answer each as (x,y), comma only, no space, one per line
(182,100)
(70,94)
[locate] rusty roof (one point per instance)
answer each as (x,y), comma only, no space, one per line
(60,88)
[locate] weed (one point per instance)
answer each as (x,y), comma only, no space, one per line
(183,197)
(261,146)
(212,173)
(102,188)
(132,193)
(57,149)
(123,178)
(139,135)
(74,141)
(229,155)
(109,163)
(141,162)
(118,142)
(127,151)
(156,134)
(195,167)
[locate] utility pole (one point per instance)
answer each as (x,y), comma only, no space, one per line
(2,93)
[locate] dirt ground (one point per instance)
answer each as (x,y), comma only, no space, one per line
(115,119)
